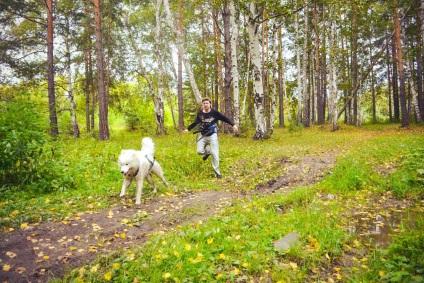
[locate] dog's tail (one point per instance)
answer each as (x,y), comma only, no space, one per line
(148,146)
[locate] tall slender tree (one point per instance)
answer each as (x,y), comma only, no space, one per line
(402,89)
(103,98)
(54,129)
(258,88)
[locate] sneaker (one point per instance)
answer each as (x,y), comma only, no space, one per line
(205,156)
(218,176)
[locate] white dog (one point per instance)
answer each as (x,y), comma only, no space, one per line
(138,165)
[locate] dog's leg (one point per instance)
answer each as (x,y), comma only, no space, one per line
(151,182)
(157,170)
(139,190)
(125,185)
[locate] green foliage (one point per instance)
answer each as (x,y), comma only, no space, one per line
(295,128)
(25,153)
(408,180)
(22,140)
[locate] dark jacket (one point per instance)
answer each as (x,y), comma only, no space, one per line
(208,122)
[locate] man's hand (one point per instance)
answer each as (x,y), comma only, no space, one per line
(235,128)
(185,131)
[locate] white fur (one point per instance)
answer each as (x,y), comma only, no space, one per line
(129,160)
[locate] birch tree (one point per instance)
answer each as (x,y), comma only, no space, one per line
(333,110)
(103,103)
(299,70)
(160,128)
(180,43)
(234,64)
(306,99)
(54,130)
(274,78)
(258,90)
(159,101)
(70,90)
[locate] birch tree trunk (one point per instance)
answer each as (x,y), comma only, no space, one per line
(159,102)
(75,128)
(180,43)
(258,90)
(234,68)
(228,103)
(414,94)
(281,83)
(54,130)
(142,71)
(299,71)
(306,101)
(103,104)
(318,90)
(180,70)
(274,79)
(420,38)
(355,64)
(333,78)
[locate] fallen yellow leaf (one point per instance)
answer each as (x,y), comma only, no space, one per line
(6,267)
(108,276)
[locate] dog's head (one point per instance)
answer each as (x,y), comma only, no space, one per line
(127,161)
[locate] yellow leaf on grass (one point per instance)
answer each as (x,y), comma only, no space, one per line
(166,275)
(73,248)
(110,214)
(327,256)
(222,256)
(381,273)
(6,267)
(123,235)
(337,269)
(108,276)
(210,241)
(94,268)
(293,265)
(116,265)
(187,247)
(24,225)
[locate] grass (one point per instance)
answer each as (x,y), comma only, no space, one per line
(237,244)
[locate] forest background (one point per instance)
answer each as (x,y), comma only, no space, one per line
(264,63)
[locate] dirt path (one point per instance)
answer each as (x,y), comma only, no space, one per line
(46,251)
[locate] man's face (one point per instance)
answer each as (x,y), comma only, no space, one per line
(206,105)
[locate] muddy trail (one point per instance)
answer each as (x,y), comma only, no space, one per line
(39,253)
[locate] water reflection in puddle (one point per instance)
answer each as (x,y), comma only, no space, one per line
(379,226)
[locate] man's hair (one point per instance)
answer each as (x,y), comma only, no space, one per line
(206,99)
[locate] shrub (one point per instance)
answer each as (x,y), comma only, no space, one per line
(22,137)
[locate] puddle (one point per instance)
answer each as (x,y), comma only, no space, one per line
(378,226)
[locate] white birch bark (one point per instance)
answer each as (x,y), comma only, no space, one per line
(333,78)
(299,72)
(274,78)
(258,90)
(70,91)
(180,43)
(142,70)
(414,92)
(159,102)
(234,68)
(306,105)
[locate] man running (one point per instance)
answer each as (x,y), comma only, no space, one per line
(207,118)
